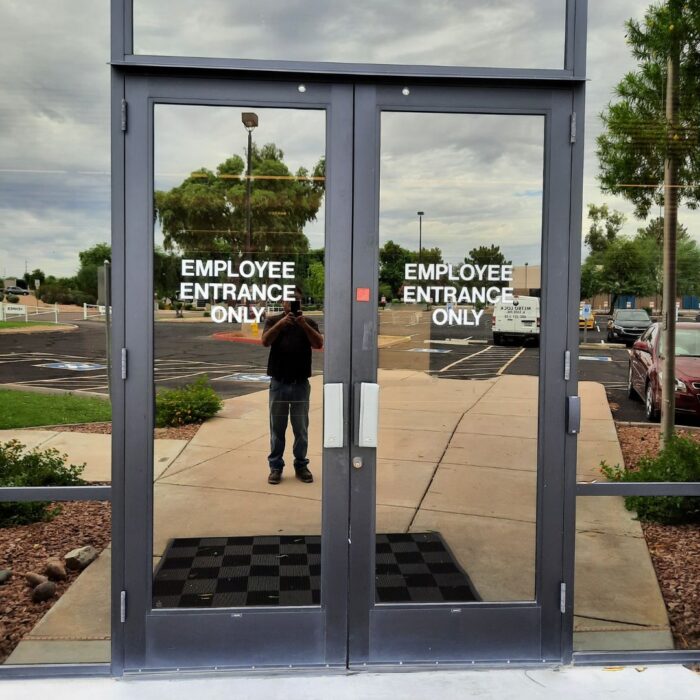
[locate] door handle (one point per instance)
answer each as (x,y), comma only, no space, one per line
(333,423)
(573,415)
(369,415)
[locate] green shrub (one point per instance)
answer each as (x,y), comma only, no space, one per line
(20,466)
(678,461)
(192,403)
(206,314)
(12,298)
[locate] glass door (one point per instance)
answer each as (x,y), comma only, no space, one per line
(380,479)
(239,212)
(462,209)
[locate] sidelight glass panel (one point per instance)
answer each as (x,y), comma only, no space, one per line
(55,572)
(237,397)
(459,311)
(500,33)
(637,582)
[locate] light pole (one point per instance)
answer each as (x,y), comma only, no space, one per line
(250,121)
(420,214)
(527,291)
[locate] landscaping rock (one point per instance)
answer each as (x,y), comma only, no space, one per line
(5,576)
(78,559)
(44,591)
(55,570)
(35,580)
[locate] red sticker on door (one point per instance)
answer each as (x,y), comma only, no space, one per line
(362,294)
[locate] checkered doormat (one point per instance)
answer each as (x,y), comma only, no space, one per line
(220,572)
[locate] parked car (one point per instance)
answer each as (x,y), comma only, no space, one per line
(627,325)
(17,291)
(518,320)
(644,376)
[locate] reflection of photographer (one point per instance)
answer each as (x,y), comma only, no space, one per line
(290,337)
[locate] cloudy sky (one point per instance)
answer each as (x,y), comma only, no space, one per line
(478,178)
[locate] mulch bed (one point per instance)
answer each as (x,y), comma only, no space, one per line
(183,432)
(26,548)
(674,549)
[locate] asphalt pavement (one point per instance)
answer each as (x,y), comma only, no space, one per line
(77,361)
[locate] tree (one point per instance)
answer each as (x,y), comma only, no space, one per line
(315,281)
(655,231)
(648,141)
(35,274)
(166,273)
(626,269)
(392,264)
(486,255)
(206,213)
(605,225)
(90,260)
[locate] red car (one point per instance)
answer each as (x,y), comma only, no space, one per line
(645,367)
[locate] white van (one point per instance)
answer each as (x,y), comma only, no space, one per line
(518,319)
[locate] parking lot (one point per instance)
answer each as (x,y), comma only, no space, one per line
(76,361)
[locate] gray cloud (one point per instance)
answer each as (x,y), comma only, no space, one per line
(479,180)
(442,32)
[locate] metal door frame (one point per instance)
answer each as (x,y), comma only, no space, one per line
(232,637)
(518,632)
(347,628)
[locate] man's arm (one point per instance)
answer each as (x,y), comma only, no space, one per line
(270,334)
(315,338)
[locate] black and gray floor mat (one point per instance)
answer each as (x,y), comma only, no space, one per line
(221,572)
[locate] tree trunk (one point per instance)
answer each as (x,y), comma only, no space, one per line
(668,359)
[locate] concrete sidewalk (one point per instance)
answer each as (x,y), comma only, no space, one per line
(640,683)
(455,457)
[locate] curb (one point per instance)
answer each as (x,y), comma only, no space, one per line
(51,390)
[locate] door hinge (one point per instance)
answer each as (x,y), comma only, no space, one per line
(572,131)
(122,607)
(124,363)
(123,115)
(567,365)
(562,598)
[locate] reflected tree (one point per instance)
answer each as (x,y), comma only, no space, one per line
(206,213)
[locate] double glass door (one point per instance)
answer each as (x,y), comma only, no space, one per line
(412,243)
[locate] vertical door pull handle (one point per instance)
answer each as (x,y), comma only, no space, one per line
(333,429)
(573,420)
(369,415)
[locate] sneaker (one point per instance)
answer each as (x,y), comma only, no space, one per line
(303,474)
(275,476)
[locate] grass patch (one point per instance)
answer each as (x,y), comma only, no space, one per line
(25,409)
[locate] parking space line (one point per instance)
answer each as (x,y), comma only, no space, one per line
(466,357)
(510,362)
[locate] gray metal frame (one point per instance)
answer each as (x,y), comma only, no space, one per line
(252,637)
(513,631)
(574,57)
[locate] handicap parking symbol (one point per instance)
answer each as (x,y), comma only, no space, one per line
(74,366)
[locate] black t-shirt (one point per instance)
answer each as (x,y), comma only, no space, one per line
(290,353)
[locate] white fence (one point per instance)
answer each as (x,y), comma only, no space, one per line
(94,311)
(12,311)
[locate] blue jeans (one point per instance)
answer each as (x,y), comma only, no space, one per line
(289,400)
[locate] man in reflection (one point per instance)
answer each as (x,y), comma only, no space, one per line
(290,337)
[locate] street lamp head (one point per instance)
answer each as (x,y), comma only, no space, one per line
(420,213)
(250,120)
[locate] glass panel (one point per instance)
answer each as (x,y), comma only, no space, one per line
(637,580)
(55,600)
(54,239)
(239,285)
(622,280)
(459,320)
(449,33)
